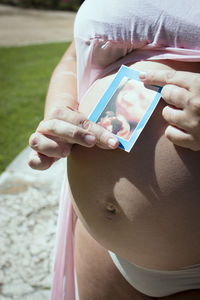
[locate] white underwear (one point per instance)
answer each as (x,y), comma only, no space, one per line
(156,283)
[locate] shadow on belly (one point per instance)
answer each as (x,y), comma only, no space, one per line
(139,203)
(124,197)
(94,172)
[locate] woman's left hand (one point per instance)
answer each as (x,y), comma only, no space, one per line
(181,92)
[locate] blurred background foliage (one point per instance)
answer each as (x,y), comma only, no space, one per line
(72,5)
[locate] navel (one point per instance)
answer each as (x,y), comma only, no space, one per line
(110,208)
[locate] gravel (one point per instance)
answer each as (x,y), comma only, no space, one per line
(28,217)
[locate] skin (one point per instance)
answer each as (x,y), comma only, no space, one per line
(63,126)
(181,91)
(99,279)
(52,140)
(136,201)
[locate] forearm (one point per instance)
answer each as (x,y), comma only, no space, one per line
(62,89)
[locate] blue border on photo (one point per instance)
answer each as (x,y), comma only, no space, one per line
(133,74)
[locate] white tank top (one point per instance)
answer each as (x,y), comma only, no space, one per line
(108,33)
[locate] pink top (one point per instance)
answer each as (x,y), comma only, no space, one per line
(109,33)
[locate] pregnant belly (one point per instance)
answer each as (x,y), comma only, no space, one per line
(142,205)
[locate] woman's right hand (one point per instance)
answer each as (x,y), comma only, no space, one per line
(57,133)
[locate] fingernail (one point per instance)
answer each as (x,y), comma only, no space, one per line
(89,139)
(112,142)
(142,75)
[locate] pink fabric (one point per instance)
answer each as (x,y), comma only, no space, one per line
(108,34)
(63,286)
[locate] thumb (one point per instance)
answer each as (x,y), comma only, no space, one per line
(39,161)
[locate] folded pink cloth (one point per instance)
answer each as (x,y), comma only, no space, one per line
(108,34)
(64,276)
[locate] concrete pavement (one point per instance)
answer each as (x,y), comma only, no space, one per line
(28,218)
(23,26)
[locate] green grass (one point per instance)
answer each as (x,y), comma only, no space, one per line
(24,77)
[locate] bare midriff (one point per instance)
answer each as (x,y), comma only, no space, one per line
(143,205)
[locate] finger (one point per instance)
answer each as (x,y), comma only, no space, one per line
(181,119)
(180,138)
(49,146)
(86,134)
(162,77)
(104,138)
(175,95)
(68,115)
(68,132)
(193,105)
(39,161)
(176,117)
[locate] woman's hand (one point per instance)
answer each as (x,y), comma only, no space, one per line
(62,128)
(181,91)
